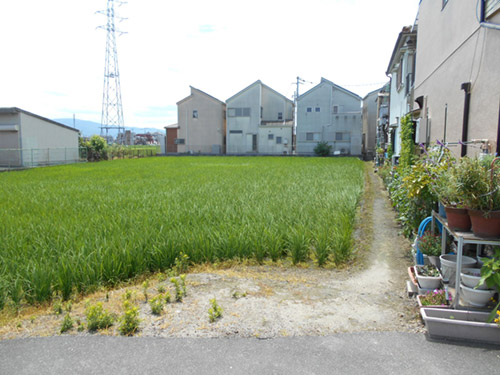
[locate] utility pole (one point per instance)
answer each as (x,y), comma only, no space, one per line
(299,81)
(112,109)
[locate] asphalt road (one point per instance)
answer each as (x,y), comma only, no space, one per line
(356,353)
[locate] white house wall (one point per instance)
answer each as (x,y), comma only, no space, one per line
(241,129)
(273,104)
(316,120)
(275,140)
(46,142)
(10,126)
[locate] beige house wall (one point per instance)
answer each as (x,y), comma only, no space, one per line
(453,49)
(204,133)
(268,140)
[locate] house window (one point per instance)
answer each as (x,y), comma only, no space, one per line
(238,112)
(309,136)
(338,136)
(335,109)
(195,113)
(280,115)
(309,109)
(270,137)
(278,140)
(235,131)
(317,109)
(179,141)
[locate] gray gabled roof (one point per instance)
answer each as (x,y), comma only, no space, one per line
(259,82)
(375,91)
(339,88)
(201,92)
(14,110)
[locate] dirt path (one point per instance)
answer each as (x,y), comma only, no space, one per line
(269,301)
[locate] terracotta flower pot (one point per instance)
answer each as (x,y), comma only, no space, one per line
(485,226)
(458,219)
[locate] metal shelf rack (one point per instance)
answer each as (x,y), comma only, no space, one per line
(462,239)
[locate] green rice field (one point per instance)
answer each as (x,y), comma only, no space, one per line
(70,229)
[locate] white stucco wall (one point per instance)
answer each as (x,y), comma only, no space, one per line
(271,146)
(46,142)
(248,125)
(324,124)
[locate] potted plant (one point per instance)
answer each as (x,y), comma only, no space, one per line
(490,275)
(477,183)
(428,277)
(435,298)
(451,198)
(430,245)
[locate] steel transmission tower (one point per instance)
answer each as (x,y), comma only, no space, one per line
(112,109)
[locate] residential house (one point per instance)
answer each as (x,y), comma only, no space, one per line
(259,121)
(401,70)
(329,113)
(201,120)
(368,141)
(457,82)
(28,140)
(381,137)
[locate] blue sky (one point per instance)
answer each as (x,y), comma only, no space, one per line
(53,53)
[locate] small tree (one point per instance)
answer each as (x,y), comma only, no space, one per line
(97,148)
(323,149)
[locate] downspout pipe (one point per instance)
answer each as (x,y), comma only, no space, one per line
(465,127)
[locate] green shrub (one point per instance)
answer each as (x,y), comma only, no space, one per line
(168,298)
(129,321)
(98,317)
(180,287)
(214,311)
(67,323)
(156,304)
(323,149)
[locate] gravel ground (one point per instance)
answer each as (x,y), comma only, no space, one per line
(269,301)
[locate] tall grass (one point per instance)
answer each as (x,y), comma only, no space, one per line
(73,228)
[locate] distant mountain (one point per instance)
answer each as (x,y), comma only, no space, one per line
(89,128)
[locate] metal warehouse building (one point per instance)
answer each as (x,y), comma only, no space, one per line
(28,140)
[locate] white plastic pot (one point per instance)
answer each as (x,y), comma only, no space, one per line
(476,297)
(471,281)
(427,282)
(449,266)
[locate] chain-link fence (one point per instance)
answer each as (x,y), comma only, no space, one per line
(12,158)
